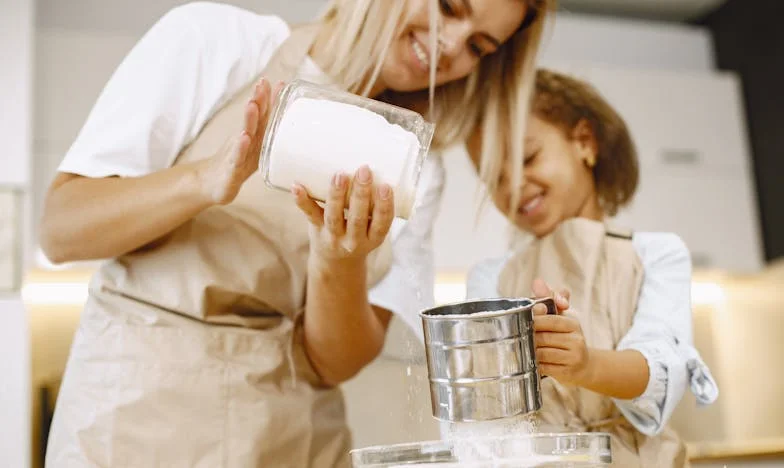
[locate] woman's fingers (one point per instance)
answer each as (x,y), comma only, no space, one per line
(336,203)
(308,206)
(383,214)
(356,216)
(359,208)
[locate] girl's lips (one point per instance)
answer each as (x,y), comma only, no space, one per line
(532,206)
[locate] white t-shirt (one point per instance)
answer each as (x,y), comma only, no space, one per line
(182,71)
(661,331)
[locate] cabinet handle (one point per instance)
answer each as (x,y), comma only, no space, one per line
(680,156)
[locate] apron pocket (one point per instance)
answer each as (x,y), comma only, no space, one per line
(168,417)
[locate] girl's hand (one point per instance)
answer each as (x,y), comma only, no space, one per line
(561,350)
(337,238)
(540,290)
(222,175)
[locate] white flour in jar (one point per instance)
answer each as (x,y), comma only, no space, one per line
(317,138)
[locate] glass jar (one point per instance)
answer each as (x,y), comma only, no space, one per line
(316,131)
(570,450)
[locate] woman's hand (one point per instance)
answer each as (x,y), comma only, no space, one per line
(336,238)
(561,350)
(343,332)
(222,175)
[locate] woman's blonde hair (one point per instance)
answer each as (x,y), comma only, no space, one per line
(493,99)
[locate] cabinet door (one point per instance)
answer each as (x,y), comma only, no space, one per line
(712,214)
(679,114)
(11,246)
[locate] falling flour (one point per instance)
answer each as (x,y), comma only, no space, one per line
(317,138)
(495,443)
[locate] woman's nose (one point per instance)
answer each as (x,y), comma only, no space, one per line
(452,39)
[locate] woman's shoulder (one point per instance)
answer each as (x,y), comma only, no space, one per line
(212,18)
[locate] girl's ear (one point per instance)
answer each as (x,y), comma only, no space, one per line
(585,143)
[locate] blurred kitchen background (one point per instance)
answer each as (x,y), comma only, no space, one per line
(698,81)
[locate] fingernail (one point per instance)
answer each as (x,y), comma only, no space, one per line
(295,189)
(560,298)
(337,180)
(384,191)
(363,175)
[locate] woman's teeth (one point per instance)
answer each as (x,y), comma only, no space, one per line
(420,53)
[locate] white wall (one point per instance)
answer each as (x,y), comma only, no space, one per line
(628,43)
(16,34)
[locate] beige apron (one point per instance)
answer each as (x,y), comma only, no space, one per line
(601,269)
(189,353)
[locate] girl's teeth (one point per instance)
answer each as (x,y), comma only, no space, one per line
(531,205)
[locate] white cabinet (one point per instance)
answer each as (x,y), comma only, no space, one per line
(11,245)
(712,214)
(696,115)
(696,175)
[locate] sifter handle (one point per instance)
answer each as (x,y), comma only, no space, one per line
(549,302)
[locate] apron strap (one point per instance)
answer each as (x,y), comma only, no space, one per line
(618,232)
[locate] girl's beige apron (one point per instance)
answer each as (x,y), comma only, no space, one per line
(189,353)
(600,267)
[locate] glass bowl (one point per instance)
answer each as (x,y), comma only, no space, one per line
(569,450)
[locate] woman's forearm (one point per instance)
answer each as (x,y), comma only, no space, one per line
(618,374)
(343,332)
(93,218)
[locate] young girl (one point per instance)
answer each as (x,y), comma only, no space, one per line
(620,354)
(228,314)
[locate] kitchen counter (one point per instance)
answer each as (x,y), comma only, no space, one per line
(771,449)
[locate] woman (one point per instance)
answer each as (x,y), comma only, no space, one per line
(218,332)
(622,359)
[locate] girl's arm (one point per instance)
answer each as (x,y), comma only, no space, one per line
(662,333)
(656,361)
